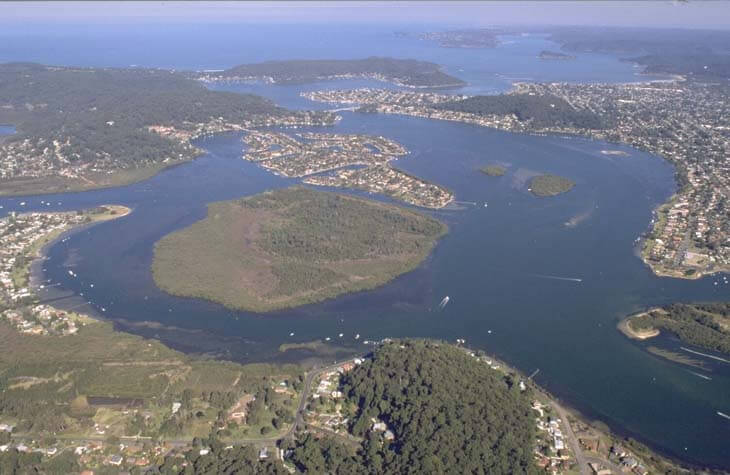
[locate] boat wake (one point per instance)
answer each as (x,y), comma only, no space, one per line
(557,277)
(701,376)
(705,355)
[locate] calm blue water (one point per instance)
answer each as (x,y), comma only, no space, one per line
(498,264)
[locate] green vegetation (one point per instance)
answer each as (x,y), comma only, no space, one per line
(66,385)
(14,462)
(550,185)
(706,325)
(317,346)
(493,170)
(547,54)
(221,461)
(291,247)
(449,413)
(55,102)
(539,110)
(99,120)
(409,72)
(698,54)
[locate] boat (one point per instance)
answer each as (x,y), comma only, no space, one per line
(444,302)
(722,414)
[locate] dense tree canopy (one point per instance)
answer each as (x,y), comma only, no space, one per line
(542,111)
(95,114)
(701,324)
(449,412)
(406,71)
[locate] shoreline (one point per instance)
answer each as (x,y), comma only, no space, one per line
(148,172)
(35,267)
(327,293)
(580,414)
(624,327)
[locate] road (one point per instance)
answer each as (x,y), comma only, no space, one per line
(298,420)
(581,459)
(572,440)
(299,417)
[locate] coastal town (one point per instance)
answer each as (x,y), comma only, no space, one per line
(368,95)
(298,155)
(388,181)
(688,124)
(23,236)
(354,161)
(57,161)
(684,122)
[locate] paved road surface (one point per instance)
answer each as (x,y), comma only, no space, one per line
(298,420)
(572,440)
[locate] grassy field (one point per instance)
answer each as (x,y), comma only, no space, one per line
(292,247)
(46,381)
(550,185)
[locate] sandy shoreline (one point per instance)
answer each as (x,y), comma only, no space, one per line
(624,327)
(35,270)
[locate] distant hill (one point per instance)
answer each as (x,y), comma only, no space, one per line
(704,54)
(468,39)
(407,72)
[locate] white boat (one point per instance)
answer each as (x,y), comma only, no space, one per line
(444,302)
(722,414)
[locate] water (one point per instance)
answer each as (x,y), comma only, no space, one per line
(6,129)
(498,264)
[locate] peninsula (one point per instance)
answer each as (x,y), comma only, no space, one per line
(706,325)
(87,128)
(467,38)
(402,72)
(310,155)
(292,247)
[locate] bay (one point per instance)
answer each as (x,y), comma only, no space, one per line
(504,265)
